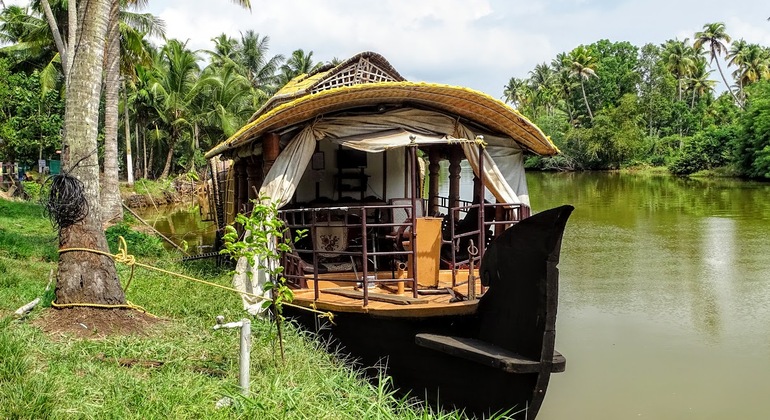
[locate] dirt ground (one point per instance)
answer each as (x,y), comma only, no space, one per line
(84,322)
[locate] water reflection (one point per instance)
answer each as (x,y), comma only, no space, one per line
(183,225)
(665,296)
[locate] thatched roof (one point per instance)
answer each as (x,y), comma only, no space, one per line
(367,80)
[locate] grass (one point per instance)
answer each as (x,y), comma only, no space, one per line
(62,376)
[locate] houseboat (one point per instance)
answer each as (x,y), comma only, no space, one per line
(454,292)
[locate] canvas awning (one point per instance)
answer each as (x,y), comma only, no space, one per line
(374,133)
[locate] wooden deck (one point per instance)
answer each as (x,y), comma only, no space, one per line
(338,293)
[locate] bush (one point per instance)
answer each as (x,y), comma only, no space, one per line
(139,244)
(706,150)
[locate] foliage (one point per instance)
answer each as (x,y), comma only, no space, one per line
(30,120)
(139,244)
(752,147)
(154,188)
(56,375)
(265,240)
(180,105)
(706,150)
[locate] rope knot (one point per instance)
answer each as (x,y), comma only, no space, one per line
(122,255)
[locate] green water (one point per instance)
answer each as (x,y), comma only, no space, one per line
(664,308)
(182,224)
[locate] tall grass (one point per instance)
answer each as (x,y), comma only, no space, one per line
(60,376)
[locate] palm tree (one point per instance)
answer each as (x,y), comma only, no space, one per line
(514,91)
(541,85)
(31,44)
(582,66)
(299,63)
(679,59)
(754,65)
(121,22)
(84,277)
(736,57)
(226,100)
(700,83)
(259,69)
(714,34)
(175,86)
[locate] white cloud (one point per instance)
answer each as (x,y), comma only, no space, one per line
(474,43)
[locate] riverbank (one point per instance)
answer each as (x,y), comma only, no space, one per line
(60,363)
(160,192)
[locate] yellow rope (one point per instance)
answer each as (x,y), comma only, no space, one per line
(122,256)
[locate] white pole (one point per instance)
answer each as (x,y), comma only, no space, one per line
(244,369)
(245,362)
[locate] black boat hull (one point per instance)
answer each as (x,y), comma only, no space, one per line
(517,314)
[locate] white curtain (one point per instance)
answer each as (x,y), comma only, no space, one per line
(503,163)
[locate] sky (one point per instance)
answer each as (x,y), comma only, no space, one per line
(478,44)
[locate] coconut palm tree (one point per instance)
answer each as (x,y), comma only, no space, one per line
(122,22)
(299,63)
(85,277)
(700,83)
(679,59)
(715,36)
(754,65)
(542,88)
(176,84)
(736,57)
(514,92)
(225,103)
(582,66)
(260,70)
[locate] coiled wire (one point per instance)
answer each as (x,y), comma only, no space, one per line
(65,204)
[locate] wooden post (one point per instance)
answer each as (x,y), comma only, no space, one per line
(433,171)
(271,147)
(253,181)
(455,157)
(241,186)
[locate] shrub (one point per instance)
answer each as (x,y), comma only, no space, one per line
(139,244)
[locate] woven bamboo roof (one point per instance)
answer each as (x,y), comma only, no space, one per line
(368,80)
(366,67)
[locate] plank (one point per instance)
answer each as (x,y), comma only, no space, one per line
(486,353)
(381,297)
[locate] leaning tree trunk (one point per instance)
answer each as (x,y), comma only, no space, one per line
(585,99)
(85,277)
(111,203)
(169,156)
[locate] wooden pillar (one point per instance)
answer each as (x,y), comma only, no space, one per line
(433,171)
(253,181)
(455,157)
(241,186)
(271,147)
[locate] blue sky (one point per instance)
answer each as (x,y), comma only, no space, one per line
(479,44)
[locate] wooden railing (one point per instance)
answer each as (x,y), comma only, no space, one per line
(375,242)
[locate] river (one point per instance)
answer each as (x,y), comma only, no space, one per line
(664,308)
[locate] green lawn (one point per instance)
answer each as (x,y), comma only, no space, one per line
(45,375)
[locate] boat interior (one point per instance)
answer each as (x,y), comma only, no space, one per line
(379,235)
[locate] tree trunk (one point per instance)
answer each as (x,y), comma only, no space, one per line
(148,169)
(127,126)
(144,151)
(169,156)
(585,98)
(727,85)
(85,277)
(111,203)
